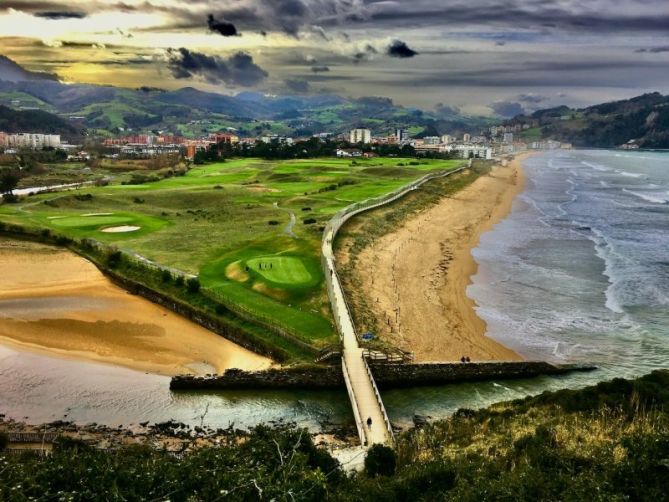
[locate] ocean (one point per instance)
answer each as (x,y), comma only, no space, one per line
(577,273)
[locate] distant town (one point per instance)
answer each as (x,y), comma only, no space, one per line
(360,142)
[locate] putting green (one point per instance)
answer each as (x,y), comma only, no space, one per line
(288,270)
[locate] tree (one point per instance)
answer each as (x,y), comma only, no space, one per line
(9,179)
(380,461)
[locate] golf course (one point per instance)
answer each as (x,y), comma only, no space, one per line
(250,229)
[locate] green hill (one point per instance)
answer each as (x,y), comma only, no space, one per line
(13,121)
(643,120)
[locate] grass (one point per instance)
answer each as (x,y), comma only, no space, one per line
(235,211)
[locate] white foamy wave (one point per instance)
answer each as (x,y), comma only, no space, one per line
(630,175)
(605,251)
(596,167)
(654,197)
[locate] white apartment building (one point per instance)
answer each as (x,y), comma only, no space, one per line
(431,140)
(447,138)
(360,136)
(466,138)
(472,151)
(30,140)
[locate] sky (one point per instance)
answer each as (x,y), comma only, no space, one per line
(479,56)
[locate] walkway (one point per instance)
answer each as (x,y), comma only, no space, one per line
(362,390)
(360,384)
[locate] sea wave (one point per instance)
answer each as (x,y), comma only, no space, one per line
(654,197)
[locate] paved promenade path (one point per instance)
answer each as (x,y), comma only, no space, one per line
(365,398)
(360,384)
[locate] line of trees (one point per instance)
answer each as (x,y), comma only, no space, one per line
(308,149)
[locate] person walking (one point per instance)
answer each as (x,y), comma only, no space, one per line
(369,422)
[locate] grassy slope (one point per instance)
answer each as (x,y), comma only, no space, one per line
(224,213)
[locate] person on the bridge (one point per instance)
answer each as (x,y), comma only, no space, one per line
(369,422)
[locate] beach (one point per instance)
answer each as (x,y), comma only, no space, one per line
(416,277)
(57,303)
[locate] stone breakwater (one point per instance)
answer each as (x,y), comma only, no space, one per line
(387,376)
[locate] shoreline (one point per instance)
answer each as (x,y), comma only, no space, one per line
(421,304)
(56,303)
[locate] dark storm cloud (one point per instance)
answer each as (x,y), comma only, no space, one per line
(293,16)
(56,15)
(366,54)
(297,85)
(221,27)
(531,98)
(507,108)
(239,69)
(654,50)
(443,109)
(399,49)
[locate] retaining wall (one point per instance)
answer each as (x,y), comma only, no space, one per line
(387,376)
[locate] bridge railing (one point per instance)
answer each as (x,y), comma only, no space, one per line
(377,394)
(356,411)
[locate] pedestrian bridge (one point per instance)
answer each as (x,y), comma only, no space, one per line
(362,390)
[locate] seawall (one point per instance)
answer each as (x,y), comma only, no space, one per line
(387,376)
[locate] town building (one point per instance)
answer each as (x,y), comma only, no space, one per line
(466,138)
(401,135)
(472,151)
(30,140)
(447,138)
(360,136)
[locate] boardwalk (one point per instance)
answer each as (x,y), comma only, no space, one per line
(360,384)
(365,398)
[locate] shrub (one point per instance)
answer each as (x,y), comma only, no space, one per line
(166,276)
(309,221)
(179,281)
(193,285)
(380,461)
(272,222)
(4,440)
(114,259)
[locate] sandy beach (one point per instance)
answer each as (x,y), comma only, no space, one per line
(416,277)
(55,302)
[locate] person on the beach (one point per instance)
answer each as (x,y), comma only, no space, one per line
(463,359)
(369,422)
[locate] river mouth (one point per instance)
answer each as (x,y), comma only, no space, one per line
(55,302)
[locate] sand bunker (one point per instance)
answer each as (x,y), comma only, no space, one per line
(120,229)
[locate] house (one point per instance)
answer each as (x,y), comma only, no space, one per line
(348,152)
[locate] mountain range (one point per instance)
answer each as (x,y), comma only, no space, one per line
(106,110)
(191,112)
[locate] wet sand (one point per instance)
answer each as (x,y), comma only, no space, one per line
(55,302)
(417,276)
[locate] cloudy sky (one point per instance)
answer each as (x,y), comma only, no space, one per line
(483,56)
